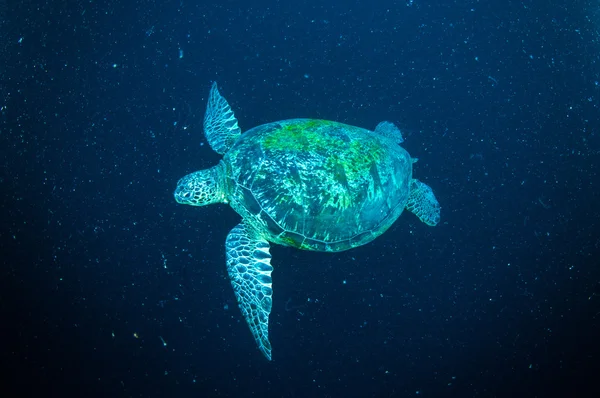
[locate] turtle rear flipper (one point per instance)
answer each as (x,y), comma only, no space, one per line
(422,203)
(249,268)
(220,125)
(390,131)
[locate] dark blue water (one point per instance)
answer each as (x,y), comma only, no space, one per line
(109,288)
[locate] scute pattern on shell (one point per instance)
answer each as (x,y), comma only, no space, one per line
(316,184)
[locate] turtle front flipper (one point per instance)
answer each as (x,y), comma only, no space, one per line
(249,268)
(422,203)
(220,125)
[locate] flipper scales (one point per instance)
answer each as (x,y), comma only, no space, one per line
(423,204)
(220,125)
(249,268)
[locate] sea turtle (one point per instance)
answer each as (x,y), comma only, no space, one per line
(311,184)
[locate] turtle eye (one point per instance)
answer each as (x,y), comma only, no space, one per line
(186,195)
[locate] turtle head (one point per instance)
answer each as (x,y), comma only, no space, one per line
(201,188)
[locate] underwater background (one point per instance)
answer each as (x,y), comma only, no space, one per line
(109,288)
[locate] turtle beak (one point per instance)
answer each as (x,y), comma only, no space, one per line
(182,195)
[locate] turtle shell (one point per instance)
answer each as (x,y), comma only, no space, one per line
(316,184)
